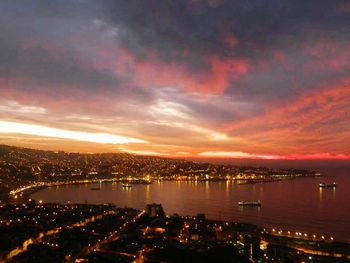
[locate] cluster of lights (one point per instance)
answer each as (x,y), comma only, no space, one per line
(22,189)
(299,234)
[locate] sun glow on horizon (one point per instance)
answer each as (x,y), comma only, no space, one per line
(239,155)
(244,155)
(39,130)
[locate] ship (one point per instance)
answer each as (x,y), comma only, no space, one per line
(95,188)
(245,203)
(324,185)
(127,185)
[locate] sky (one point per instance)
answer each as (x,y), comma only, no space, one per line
(252,79)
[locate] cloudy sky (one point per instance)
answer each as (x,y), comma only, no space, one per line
(208,78)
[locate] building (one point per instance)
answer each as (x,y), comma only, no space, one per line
(155,210)
(252,246)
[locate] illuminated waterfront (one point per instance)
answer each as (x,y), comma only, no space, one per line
(297,205)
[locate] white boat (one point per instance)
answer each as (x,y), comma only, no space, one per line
(249,203)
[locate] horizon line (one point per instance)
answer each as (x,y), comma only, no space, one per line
(235,156)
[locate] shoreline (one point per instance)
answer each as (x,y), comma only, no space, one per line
(24,193)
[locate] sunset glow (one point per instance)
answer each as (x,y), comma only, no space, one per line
(202,79)
(37,130)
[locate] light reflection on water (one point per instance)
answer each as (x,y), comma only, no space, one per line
(298,205)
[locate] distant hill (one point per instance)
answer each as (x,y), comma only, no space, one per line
(22,164)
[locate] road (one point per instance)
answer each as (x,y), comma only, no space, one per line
(39,238)
(115,236)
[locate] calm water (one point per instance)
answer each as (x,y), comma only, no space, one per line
(297,205)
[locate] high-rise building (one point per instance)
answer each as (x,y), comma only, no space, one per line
(155,210)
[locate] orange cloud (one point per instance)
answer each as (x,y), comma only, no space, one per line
(303,125)
(244,155)
(156,73)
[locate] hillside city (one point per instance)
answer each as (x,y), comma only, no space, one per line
(23,170)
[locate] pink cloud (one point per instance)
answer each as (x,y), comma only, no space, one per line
(244,155)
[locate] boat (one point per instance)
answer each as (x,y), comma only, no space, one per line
(95,188)
(246,203)
(324,185)
(127,185)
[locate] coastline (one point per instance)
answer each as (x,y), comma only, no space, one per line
(23,194)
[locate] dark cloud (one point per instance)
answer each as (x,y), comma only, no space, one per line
(175,30)
(171,27)
(27,32)
(37,66)
(300,72)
